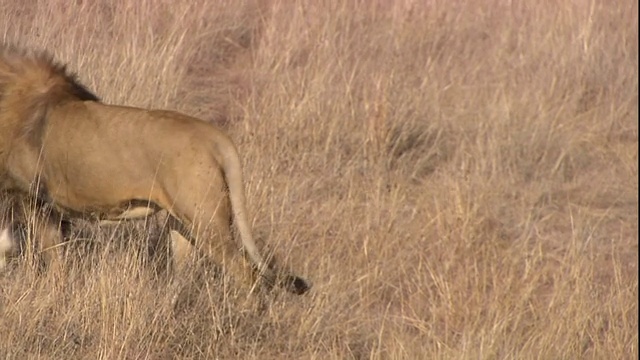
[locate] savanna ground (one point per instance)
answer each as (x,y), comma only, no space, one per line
(459,179)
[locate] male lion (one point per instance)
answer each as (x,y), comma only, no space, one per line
(60,145)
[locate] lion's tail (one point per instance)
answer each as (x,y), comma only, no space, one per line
(233,176)
(234,179)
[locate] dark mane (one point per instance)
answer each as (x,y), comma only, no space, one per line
(32,83)
(17,63)
(79,90)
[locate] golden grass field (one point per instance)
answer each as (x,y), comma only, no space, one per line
(458,179)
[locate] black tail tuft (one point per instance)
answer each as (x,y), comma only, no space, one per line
(296,285)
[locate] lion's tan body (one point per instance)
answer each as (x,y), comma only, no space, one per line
(114,162)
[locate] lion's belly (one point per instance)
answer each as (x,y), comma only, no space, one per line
(114,197)
(106,191)
(123,210)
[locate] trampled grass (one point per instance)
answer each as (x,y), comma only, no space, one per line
(458,179)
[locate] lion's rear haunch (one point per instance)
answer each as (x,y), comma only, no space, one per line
(60,144)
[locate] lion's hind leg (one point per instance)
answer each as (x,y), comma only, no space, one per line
(216,242)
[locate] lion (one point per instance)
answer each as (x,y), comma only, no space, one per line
(64,147)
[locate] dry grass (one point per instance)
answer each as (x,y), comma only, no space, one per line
(459,179)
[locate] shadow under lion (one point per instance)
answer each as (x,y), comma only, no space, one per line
(173,262)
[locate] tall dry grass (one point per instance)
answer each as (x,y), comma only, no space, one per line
(459,179)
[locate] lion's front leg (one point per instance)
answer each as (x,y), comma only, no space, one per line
(41,236)
(7,246)
(48,236)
